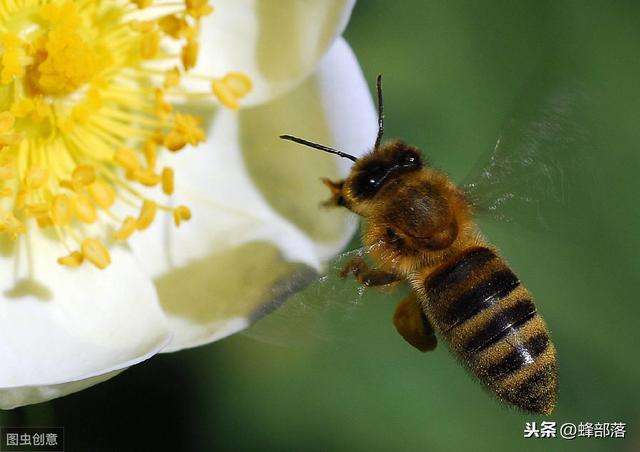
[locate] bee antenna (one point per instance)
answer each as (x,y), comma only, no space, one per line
(380,111)
(321,147)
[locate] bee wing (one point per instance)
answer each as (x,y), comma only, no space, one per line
(321,310)
(535,175)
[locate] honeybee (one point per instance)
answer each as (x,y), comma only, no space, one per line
(420,228)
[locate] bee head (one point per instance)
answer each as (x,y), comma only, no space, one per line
(370,173)
(385,165)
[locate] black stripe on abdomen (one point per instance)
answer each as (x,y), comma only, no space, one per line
(480,297)
(459,269)
(522,355)
(504,323)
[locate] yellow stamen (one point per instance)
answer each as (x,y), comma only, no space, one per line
(62,210)
(198,8)
(167,181)
(171,78)
(128,227)
(72,260)
(83,175)
(127,159)
(150,45)
(174,26)
(231,88)
(85,114)
(151,153)
(147,214)
(146,177)
(224,93)
(186,131)
(190,54)
(143,3)
(239,84)
(96,253)
(102,194)
(180,214)
(85,211)
(12,226)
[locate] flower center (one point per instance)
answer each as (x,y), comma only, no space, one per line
(85,91)
(63,59)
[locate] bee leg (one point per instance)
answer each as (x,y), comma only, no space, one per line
(413,325)
(365,276)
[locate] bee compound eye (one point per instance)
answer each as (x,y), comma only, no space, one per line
(374,178)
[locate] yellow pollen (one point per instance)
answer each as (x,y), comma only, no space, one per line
(190,54)
(143,3)
(147,214)
(91,102)
(85,211)
(62,210)
(64,61)
(12,226)
(171,78)
(186,131)
(174,26)
(96,253)
(151,153)
(238,83)
(146,177)
(231,88)
(103,194)
(83,175)
(167,181)
(128,227)
(38,209)
(150,44)
(127,159)
(198,8)
(180,214)
(74,259)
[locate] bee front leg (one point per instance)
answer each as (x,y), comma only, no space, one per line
(365,276)
(413,325)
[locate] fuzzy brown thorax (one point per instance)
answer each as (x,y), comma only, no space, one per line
(414,214)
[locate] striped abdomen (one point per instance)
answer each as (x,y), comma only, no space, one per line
(488,318)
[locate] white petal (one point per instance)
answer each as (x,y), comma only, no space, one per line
(65,329)
(276,42)
(257,229)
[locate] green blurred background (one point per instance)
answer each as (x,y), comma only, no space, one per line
(454,72)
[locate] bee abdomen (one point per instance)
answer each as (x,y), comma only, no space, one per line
(488,318)
(465,286)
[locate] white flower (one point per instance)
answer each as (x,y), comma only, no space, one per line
(253,198)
